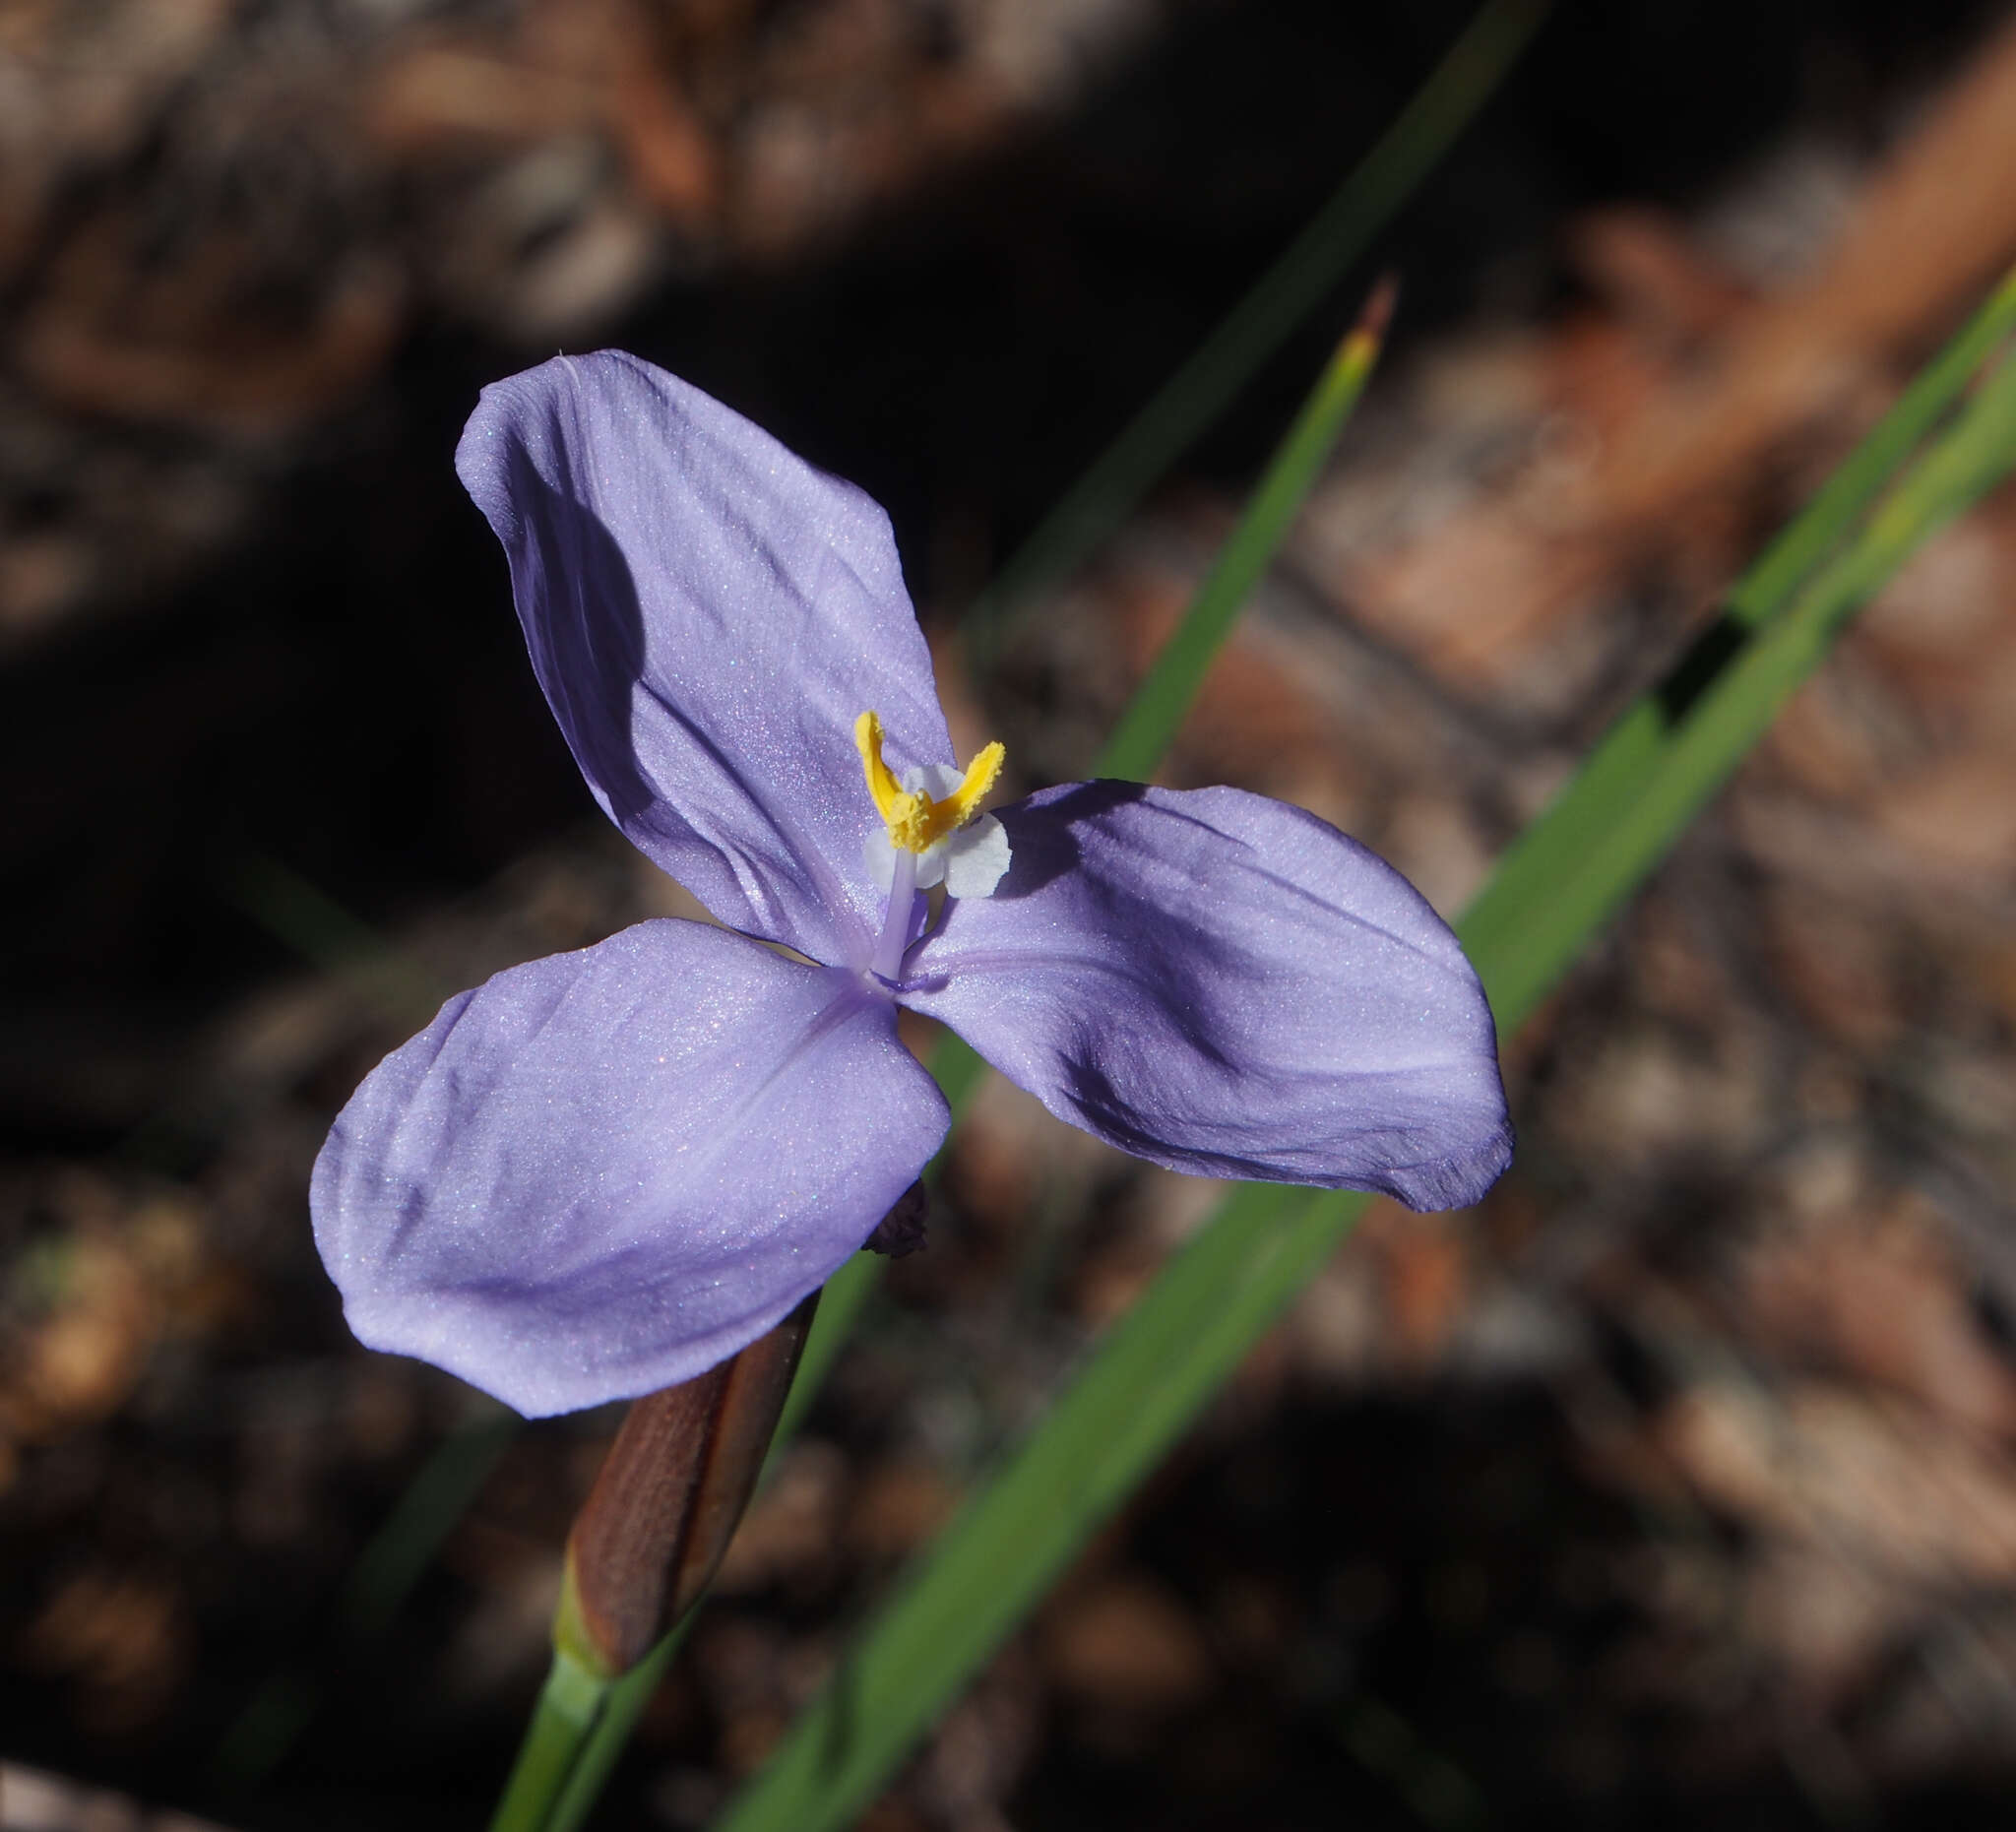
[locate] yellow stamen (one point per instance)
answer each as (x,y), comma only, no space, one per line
(916,821)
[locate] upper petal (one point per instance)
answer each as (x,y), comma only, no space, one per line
(707,614)
(1227,985)
(603,1172)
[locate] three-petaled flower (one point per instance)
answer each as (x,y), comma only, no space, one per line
(602,1173)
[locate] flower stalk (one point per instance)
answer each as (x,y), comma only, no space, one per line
(646,1544)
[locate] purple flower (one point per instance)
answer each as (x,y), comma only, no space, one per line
(602,1173)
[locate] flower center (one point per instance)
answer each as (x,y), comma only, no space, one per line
(918,821)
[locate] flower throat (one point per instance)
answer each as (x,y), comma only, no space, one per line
(918,822)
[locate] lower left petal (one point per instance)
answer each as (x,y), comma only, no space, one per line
(603,1172)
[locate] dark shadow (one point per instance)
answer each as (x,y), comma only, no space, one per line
(590,652)
(1042,843)
(1426,1606)
(1698,670)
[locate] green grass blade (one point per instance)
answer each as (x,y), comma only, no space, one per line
(1163,700)
(386,1572)
(1163,1360)
(1143,1384)
(1160,1363)
(1500,922)
(1827,520)
(321,931)
(843,1296)
(399,1554)
(1144,733)
(1186,403)
(1707,741)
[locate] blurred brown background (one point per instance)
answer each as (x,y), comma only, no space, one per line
(1673,1487)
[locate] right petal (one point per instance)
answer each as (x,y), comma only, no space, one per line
(1226,985)
(708,616)
(603,1172)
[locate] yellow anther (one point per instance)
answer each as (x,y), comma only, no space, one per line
(882,783)
(916,821)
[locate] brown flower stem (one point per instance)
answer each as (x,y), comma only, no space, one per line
(667,1500)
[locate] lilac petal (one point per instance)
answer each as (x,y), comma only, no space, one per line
(1226,985)
(708,616)
(604,1172)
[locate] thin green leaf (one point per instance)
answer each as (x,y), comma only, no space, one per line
(1146,728)
(321,931)
(384,1576)
(1143,1386)
(843,1298)
(399,1554)
(1163,699)
(1826,522)
(1704,742)
(1285,295)
(1501,923)
(1210,1304)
